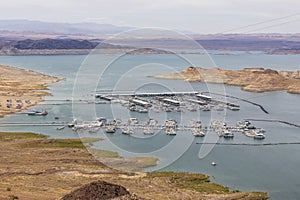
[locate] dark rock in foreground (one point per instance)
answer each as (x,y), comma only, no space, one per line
(100,190)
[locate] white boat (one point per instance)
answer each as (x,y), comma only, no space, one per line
(110,129)
(228,135)
(259,136)
(127,131)
(198,133)
(170,131)
(148,131)
(38,113)
(213,164)
(73,123)
(133,121)
(233,108)
(60,128)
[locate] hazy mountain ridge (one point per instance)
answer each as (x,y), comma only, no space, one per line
(61,28)
(20,35)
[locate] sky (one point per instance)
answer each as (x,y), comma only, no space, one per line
(198,16)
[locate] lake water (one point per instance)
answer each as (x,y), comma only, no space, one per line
(274,169)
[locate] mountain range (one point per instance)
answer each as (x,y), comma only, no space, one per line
(59,28)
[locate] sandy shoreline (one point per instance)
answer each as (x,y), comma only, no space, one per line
(21,89)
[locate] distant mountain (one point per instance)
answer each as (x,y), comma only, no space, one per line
(53,44)
(60,28)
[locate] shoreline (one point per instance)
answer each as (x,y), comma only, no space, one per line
(22,88)
(249,79)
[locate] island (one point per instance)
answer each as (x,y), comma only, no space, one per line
(21,88)
(250,79)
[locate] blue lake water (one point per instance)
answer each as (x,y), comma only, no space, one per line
(274,169)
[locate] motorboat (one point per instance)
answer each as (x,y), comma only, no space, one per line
(228,135)
(198,133)
(170,131)
(110,129)
(37,113)
(259,136)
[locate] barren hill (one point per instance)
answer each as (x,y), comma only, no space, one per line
(250,79)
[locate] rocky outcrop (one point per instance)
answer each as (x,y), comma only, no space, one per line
(100,190)
(250,79)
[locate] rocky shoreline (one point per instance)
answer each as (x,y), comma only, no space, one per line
(250,79)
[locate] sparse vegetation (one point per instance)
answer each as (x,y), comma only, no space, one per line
(66,164)
(13,197)
(198,182)
(61,143)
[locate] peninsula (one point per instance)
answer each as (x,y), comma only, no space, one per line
(250,79)
(20,88)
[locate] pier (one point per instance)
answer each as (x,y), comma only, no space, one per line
(171,127)
(245,100)
(166,101)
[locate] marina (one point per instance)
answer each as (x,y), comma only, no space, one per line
(171,127)
(167,101)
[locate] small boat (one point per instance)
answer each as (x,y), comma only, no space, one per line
(151,122)
(37,113)
(213,164)
(110,129)
(233,108)
(60,128)
(133,121)
(127,131)
(167,109)
(148,131)
(259,136)
(73,123)
(198,133)
(228,135)
(170,131)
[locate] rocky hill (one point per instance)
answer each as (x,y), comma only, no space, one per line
(50,46)
(250,79)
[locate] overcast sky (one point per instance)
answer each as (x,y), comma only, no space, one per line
(201,16)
